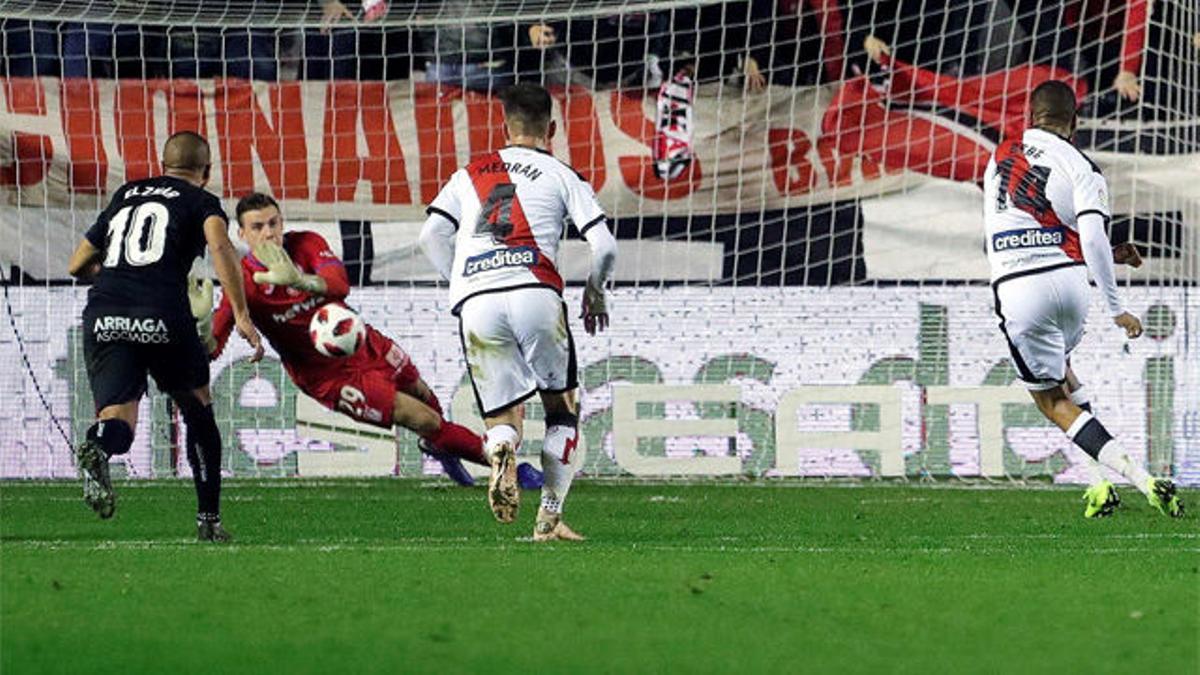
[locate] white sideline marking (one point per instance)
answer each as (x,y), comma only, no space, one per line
(430,544)
(446,492)
(1055,535)
(437,483)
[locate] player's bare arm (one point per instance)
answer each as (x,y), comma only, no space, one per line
(225,261)
(85,261)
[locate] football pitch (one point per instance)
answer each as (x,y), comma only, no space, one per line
(415,576)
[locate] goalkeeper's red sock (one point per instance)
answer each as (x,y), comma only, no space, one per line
(458,441)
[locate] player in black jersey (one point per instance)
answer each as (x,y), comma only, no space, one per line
(137,319)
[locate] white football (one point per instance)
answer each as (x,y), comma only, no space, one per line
(336,331)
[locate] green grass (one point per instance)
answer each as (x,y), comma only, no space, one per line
(405,576)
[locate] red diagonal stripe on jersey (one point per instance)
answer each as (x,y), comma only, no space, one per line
(488,172)
(1071,246)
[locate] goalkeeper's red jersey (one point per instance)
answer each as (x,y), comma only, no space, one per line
(282,314)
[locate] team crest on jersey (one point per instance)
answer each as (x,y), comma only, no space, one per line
(1033,237)
(501,258)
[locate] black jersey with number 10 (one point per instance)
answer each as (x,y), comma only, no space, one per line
(148,238)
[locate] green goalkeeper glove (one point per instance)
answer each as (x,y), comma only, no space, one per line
(200,300)
(281,271)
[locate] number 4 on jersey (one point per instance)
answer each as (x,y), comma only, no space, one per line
(495,216)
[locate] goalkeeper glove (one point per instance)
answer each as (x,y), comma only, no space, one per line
(200,300)
(281,271)
(595,309)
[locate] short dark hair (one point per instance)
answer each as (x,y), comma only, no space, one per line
(526,109)
(253,202)
(1053,102)
(186,151)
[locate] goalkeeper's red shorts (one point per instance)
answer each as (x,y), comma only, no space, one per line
(364,385)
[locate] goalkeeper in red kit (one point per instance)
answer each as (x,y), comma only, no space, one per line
(288,277)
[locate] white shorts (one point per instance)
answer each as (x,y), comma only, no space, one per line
(516,343)
(1042,316)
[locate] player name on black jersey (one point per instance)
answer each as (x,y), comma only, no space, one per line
(165,191)
(148,238)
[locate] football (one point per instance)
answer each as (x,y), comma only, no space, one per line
(336,331)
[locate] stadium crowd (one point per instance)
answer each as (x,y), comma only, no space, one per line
(784,42)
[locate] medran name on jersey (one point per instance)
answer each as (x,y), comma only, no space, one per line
(518,256)
(1028,238)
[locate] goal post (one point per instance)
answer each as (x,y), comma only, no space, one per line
(801,287)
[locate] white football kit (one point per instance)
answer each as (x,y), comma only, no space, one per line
(1037,190)
(510,210)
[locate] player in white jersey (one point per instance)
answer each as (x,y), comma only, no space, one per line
(494,232)
(1045,211)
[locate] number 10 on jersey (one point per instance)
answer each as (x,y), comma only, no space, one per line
(140,231)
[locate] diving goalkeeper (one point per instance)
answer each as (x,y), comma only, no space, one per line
(288,277)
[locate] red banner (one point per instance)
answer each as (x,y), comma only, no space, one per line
(381,150)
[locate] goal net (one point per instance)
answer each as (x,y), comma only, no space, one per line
(794,185)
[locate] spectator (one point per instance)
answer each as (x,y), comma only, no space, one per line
(1168,58)
(715,41)
(785,43)
(1101,40)
(541,57)
(979,110)
(105,50)
(1113,41)
(627,49)
(758,42)
(1050,38)
(488,55)
(475,55)
(360,51)
(201,52)
(938,36)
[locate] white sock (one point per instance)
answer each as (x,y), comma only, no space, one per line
(561,458)
(1089,434)
(1095,472)
(499,435)
(1114,456)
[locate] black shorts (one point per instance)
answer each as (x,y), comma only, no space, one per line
(122,344)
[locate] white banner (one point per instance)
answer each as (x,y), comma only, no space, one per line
(385,149)
(381,150)
(687,382)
